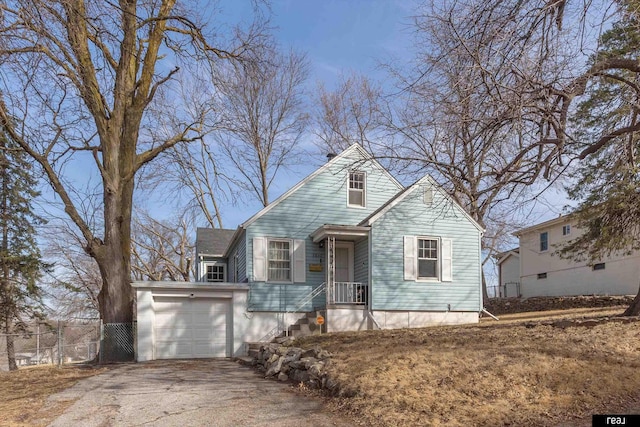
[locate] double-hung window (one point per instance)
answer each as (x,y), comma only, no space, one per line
(279,260)
(357,184)
(566,230)
(544,241)
(427,258)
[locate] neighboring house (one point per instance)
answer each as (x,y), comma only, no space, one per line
(24,359)
(543,273)
(348,247)
(508,273)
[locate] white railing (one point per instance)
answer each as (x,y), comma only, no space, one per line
(355,293)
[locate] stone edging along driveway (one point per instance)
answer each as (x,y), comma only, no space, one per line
(212,392)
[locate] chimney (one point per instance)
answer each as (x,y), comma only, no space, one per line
(330,156)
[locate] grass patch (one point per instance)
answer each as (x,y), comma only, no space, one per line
(25,391)
(501,373)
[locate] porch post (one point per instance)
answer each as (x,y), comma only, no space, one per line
(331,266)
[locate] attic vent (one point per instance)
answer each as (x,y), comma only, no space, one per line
(428,196)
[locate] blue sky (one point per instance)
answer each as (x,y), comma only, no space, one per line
(338,36)
(342,36)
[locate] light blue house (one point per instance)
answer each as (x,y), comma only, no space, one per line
(348,247)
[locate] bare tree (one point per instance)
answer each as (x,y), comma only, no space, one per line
(522,73)
(261,115)
(74,284)
(468,133)
(79,78)
(349,114)
(606,184)
(197,172)
(162,250)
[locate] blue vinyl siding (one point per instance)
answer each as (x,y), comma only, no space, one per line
(242,258)
(443,219)
(361,261)
(239,247)
(321,200)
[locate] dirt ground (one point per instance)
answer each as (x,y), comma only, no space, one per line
(24,392)
(499,306)
(517,371)
(509,372)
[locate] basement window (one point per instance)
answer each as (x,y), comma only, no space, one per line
(599,266)
(542,275)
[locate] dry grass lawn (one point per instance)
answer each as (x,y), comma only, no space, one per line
(23,393)
(491,374)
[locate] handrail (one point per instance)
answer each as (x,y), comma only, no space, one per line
(301,303)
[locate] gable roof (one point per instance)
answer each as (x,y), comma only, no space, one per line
(404,193)
(353,148)
(503,256)
(555,221)
(213,241)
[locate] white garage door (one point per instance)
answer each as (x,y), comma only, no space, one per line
(190,328)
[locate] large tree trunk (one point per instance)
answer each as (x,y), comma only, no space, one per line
(485,294)
(11,351)
(116,297)
(113,256)
(634,308)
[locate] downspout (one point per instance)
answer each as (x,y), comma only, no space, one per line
(370,280)
(482,309)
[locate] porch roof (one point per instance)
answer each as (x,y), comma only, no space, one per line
(344,232)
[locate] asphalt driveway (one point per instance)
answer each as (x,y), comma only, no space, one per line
(188,393)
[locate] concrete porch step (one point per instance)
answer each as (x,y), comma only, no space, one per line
(247,361)
(253,348)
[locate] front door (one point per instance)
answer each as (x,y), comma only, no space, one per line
(344,262)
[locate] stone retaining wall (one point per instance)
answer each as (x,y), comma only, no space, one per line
(286,363)
(498,306)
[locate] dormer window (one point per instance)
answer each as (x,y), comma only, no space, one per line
(357,189)
(428,196)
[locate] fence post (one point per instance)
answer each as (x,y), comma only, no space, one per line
(38,344)
(60,346)
(101,350)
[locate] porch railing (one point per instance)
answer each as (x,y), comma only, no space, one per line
(354,293)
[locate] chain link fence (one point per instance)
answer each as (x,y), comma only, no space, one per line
(505,290)
(118,342)
(53,343)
